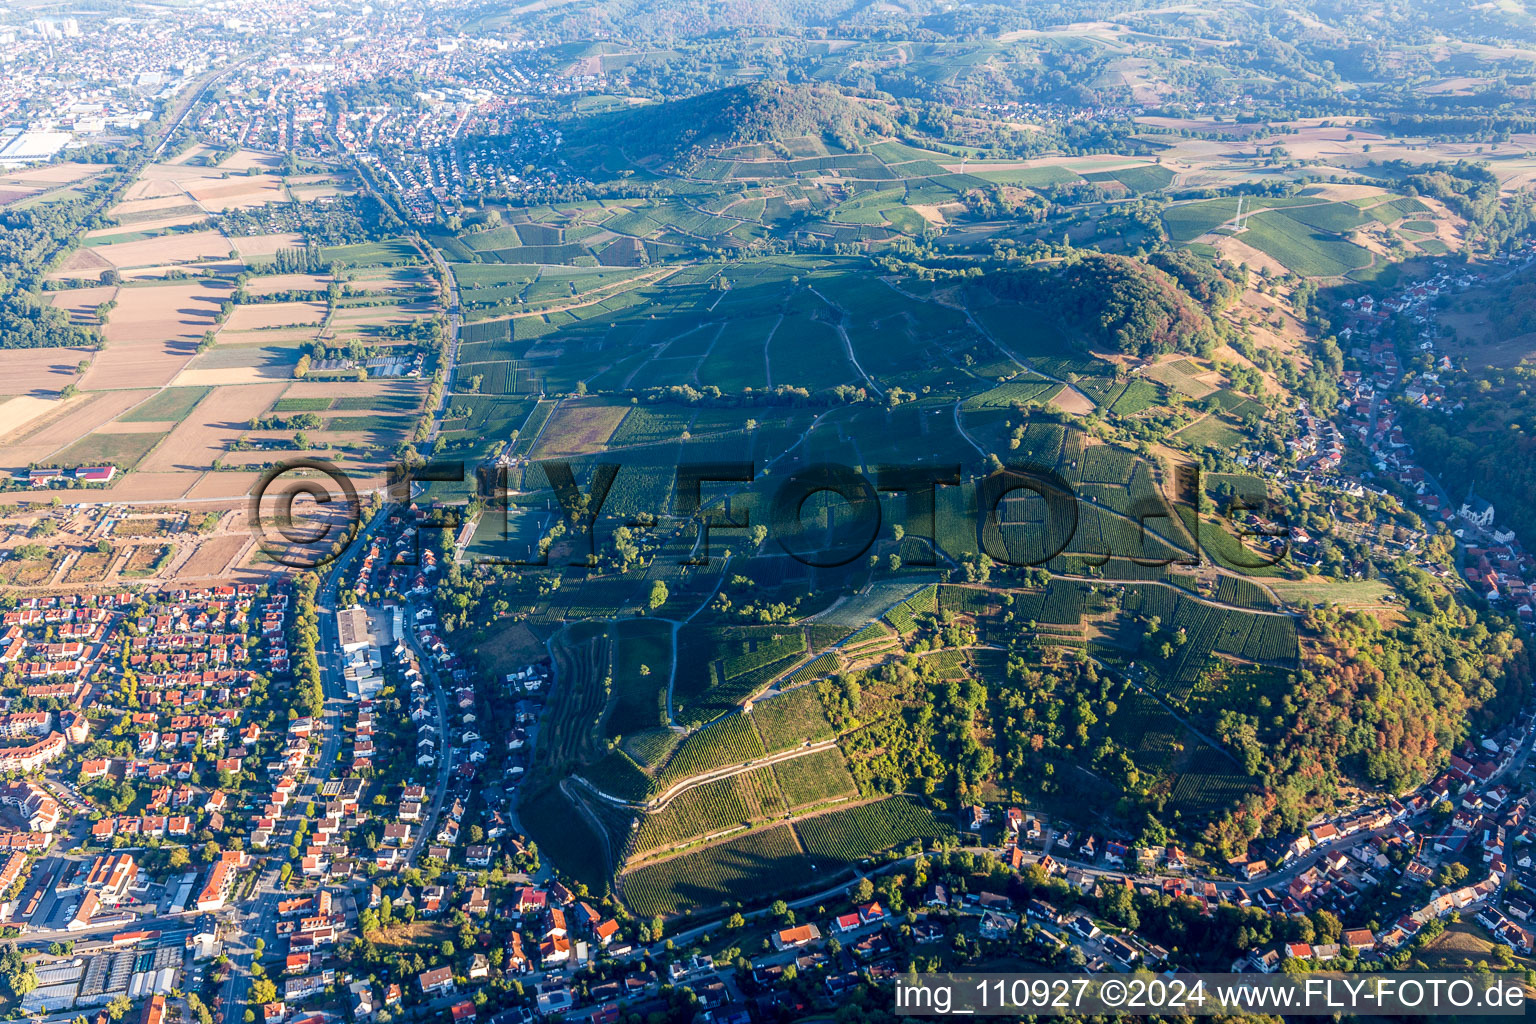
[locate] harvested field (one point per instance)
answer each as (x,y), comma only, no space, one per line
(18,413)
(141,486)
(53,174)
(38,371)
(183,248)
(214,556)
(245,159)
(265,245)
(267,315)
(59,432)
(287,283)
(82,263)
(153,333)
(81,303)
(150,194)
(242,364)
(237,193)
(1072,401)
(206,433)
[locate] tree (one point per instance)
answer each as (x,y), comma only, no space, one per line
(658,595)
(16,974)
(263,991)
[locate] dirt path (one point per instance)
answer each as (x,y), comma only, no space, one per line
(660,801)
(842,332)
(607,291)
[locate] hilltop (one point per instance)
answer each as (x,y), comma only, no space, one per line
(675,133)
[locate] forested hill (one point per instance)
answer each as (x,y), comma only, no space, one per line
(1121,303)
(672,134)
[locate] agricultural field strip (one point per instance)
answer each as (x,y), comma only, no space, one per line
(661,800)
(661,856)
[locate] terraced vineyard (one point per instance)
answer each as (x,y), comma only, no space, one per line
(842,838)
(709,808)
(730,741)
(738,870)
(815,779)
(791,719)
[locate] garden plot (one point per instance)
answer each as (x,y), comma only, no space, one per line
(153,333)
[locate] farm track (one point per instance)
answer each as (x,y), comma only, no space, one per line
(790,820)
(599,295)
(842,332)
(660,801)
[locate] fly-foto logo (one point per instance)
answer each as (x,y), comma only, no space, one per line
(824,515)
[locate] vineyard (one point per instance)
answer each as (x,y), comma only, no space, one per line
(729,741)
(842,838)
(1254,636)
(617,774)
(719,667)
(651,748)
(1209,784)
(965,600)
(710,808)
(823,665)
(1243,592)
(815,779)
(873,631)
(902,618)
(791,719)
(739,870)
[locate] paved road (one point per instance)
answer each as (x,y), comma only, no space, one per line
(257,920)
(444,747)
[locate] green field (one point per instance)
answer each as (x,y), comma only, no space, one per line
(168,406)
(121,450)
